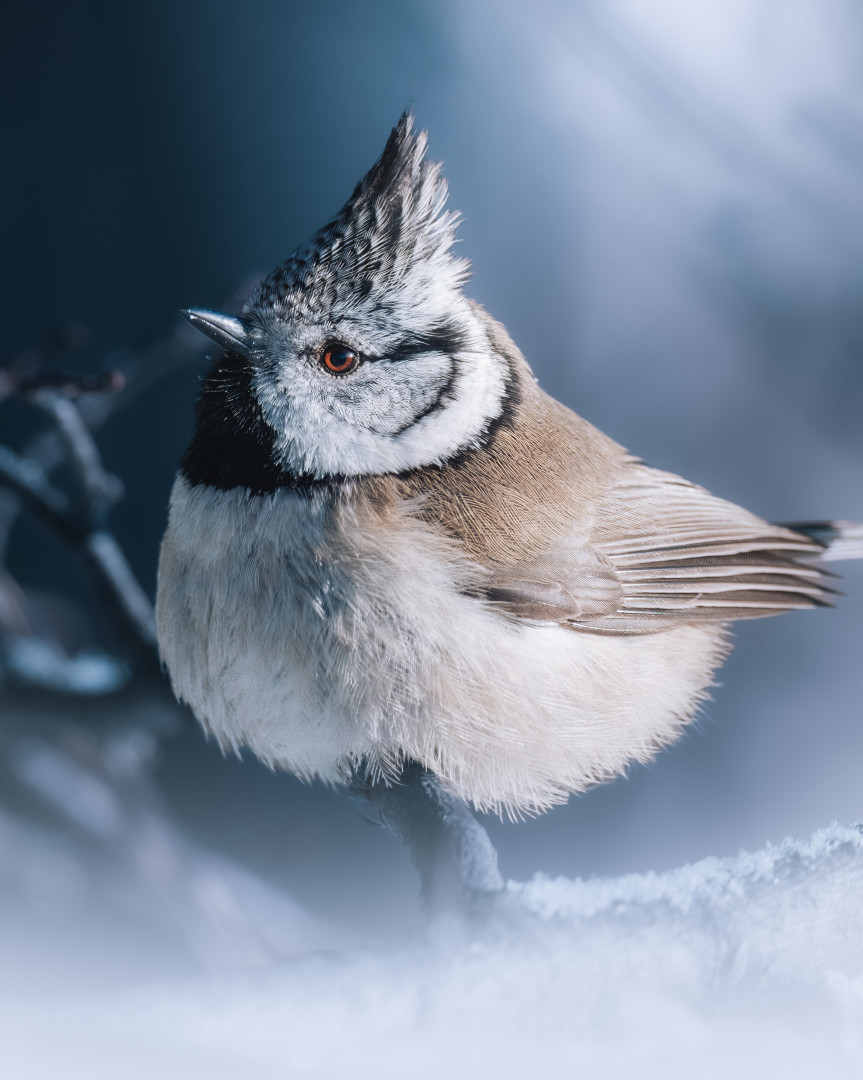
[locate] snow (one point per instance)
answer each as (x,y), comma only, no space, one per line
(749,966)
(37,661)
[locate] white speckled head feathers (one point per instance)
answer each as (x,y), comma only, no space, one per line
(392,239)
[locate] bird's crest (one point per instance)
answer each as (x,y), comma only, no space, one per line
(394,231)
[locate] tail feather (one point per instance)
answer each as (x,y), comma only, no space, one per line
(840,539)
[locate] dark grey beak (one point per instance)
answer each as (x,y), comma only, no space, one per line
(225,330)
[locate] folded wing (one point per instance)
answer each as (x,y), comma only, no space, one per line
(662,551)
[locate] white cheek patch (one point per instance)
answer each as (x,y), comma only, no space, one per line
(387,424)
(386,397)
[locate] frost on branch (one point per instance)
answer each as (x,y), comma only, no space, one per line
(790,910)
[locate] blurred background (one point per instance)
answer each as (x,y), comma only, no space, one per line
(663,202)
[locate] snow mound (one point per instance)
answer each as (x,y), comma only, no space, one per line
(748,967)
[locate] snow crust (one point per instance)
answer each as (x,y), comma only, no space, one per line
(749,966)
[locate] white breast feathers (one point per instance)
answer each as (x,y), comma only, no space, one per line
(321,630)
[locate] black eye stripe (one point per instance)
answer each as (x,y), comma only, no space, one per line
(445,337)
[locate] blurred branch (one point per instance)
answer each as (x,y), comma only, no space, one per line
(99,489)
(84,524)
(97,398)
(110,562)
(29,482)
(76,405)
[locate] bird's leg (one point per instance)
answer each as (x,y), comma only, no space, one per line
(452,852)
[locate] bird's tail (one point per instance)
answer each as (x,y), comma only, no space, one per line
(839,539)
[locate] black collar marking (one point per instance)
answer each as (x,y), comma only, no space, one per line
(232,445)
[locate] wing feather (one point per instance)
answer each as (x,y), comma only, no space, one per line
(663,551)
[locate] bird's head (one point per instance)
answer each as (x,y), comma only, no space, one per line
(360,354)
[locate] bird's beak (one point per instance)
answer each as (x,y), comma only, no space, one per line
(223,329)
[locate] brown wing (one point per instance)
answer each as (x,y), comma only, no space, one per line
(664,551)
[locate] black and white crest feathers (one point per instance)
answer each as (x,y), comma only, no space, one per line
(394,233)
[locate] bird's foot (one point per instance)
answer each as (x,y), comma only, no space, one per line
(452,852)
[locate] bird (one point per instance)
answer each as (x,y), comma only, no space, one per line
(393,562)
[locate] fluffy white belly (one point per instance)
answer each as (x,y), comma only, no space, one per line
(319,637)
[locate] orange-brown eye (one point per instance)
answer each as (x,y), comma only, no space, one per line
(339,359)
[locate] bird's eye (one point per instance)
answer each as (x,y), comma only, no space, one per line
(339,359)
